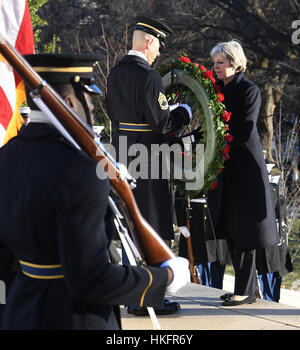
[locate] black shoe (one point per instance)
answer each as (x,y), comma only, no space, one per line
(226,296)
(168,308)
(230,302)
(137,311)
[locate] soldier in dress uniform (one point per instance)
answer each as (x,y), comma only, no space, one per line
(140,114)
(274,262)
(56,223)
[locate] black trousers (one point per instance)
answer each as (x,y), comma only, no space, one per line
(245,271)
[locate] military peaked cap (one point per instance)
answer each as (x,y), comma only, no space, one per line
(77,70)
(155,28)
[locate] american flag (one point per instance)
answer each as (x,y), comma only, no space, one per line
(16,27)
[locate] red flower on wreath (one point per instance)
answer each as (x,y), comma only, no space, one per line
(226,116)
(221,169)
(226,149)
(196,64)
(208,74)
(202,68)
(214,184)
(185,59)
(220,97)
(229,138)
(226,157)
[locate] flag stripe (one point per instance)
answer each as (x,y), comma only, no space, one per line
(15,26)
(24,42)
(8,83)
(11,16)
(6,109)
(16,121)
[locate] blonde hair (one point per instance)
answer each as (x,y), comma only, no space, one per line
(233,51)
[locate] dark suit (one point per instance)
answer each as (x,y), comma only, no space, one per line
(53,210)
(135,95)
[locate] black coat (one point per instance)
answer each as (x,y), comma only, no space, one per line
(135,94)
(53,210)
(247,215)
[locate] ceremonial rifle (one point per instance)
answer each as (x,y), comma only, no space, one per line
(152,248)
(193,272)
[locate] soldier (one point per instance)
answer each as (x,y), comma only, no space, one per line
(56,223)
(140,114)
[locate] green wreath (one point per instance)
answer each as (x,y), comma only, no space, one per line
(193,84)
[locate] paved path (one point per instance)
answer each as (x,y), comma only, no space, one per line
(201,309)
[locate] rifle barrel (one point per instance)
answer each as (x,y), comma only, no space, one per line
(152,248)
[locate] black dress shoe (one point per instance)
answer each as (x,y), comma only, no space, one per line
(230,302)
(137,311)
(226,296)
(168,308)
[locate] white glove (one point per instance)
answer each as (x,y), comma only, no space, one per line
(184,231)
(172,107)
(188,109)
(181,273)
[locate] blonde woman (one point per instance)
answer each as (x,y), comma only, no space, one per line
(247,217)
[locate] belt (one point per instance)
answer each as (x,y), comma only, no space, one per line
(41,271)
(134,127)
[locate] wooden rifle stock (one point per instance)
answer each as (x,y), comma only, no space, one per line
(152,248)
(195,278)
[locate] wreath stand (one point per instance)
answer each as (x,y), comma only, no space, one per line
(179,77)
(176,77)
